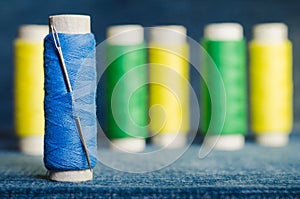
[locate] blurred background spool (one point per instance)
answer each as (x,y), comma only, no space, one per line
(29,88)
(64,155)
(169,89)
(271,84)
(127,116)
(225,45)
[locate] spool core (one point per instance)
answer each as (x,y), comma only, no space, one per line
(71,24)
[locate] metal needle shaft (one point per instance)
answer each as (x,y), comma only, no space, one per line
(69,89)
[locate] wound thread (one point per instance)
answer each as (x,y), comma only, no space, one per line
(126,88)
(29,92)
(169,86)
(271,84)
(228,52)
(63,147)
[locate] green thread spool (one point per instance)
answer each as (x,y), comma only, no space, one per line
(225,45)
(127,95)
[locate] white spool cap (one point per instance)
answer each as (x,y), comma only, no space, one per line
(71,24)
(170,140)
(270,32)
(168,34)
(32,145)
(71,176)
(125,35)
(273,139)
(128,144)
(223,31)
(34,33)
(226,142)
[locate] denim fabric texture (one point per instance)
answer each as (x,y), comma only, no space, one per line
(253,172)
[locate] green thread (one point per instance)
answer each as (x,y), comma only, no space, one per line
(230,59)
(127,58)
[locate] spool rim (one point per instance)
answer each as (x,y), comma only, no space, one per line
(128,144)
(270,32)
(226,142)
(132,34)
(32,145)
(71,176)
(71,23)
(33,32)
(275,139)
(170,140)
(223,31)
(168,34)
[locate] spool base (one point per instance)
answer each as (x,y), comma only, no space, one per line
(71,176)
(32,145)
(273,139)
(128,144)
(226,142)
(170,140)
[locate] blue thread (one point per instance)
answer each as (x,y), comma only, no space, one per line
(62,146)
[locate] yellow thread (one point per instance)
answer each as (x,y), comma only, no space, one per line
(271,87)
(29,84)
(169,93)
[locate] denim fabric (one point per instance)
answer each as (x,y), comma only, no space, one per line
(253,172)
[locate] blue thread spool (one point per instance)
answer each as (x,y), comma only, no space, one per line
(64,155)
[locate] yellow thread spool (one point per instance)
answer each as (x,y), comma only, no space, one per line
(169,91)
(29,88)
(271,84)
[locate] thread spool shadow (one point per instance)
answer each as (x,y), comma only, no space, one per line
(41,176)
